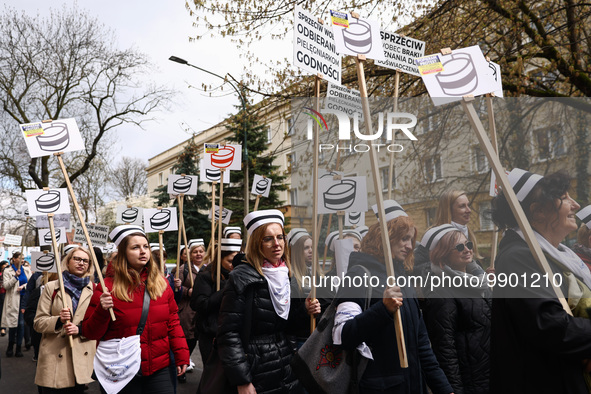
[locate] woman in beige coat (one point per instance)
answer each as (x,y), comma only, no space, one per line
(59,366)
(14,281)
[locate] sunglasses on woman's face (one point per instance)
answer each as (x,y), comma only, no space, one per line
(460,247)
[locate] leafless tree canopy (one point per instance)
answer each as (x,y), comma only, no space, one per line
(65,65)
(129,178)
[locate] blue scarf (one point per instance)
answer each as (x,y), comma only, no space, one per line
(74,286)
(22,278)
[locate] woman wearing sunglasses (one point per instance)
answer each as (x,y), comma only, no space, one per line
(61,367)
(536,346)
(457,310)
(253,316)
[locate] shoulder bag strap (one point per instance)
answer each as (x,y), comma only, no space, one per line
(145,308)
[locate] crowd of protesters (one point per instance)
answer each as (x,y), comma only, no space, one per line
(245,303)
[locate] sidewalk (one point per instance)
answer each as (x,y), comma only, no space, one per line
(18,374)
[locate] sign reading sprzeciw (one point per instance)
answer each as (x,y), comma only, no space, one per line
(401,52)
(98,234)
(313,47)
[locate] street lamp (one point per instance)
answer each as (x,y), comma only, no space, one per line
(243,101)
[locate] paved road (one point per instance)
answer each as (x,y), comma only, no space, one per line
(18,374)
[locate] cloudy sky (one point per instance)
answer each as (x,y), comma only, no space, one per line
(160,29)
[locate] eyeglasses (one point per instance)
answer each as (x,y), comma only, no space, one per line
(460,247)
(270,239)
(81,260)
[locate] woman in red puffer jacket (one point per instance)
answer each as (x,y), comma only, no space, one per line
(134,272)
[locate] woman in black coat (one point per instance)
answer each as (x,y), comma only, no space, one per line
(536,346)
(253,317)
(206,300)
(372,331)
(457,311)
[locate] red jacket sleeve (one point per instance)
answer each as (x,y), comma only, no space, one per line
(176,337)
(96,320)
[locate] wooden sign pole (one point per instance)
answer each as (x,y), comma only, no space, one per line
(60,278)
(25,234)
(516,208)
(178,248)
(256,202)
(336,168)
(161,242)
(185,236)
(493,138)
(97,268)
(221,209)
(315,229)
(381,213)
(213,222)
(391,166)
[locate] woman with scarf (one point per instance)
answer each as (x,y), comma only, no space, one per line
(135,285)
(61,368)
(253,316)
(371,331)
(457,310)
(14,280)
(536,346)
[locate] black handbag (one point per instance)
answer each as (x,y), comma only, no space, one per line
(323,367)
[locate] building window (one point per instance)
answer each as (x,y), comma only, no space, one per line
(550,143)
(160,180)
(480,162)
(290,161)
(293,197)
(432,166)
(269,134)
(486,222)
(384,177)
(290,126)
(431,214)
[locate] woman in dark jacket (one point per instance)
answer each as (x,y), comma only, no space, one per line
(457,311)
(251,341)
(372,331)
(206,300)
(536,346)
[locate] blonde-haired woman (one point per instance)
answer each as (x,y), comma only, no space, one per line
(135,275)
(61,367)
(251,341)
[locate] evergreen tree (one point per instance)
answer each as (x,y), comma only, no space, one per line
(260,162)
(197,225)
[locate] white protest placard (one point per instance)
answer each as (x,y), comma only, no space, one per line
(261,185)
(342,250)
(341,98)
(326,174)
(494,70)
(11,239)
(314,48)
(43,262)
(227,156)
(178,184)
(464,72)
(25,211)
(354,219)
(45,236)
(164,219)
(129,215)
(400,52)
(212,174)
(226,214)
(97,233)
(59,220)
(354,36)
(346,194)
(44,139)
(42,202)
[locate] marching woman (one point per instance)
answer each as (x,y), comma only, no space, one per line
(14,280)
(583,246)
(183,286)
(251,340)
(206,300)
(371,331)
(457,313)
(61,368)
(302,307)
(136,339)
(232,232)
(536,346)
